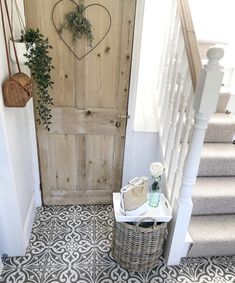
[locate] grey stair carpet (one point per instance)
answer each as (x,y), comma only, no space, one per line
(212,225)
(223,99)
(214,195)
(218,159)
(212,235)
(221,128)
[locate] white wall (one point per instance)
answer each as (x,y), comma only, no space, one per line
(143,151)
(150,64)
(142,138)
(218,18)
(19,177)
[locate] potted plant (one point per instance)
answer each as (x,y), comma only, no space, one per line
(20,50)
(33,51)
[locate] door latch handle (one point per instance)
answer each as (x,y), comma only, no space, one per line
(118,124)
(123,116)
(120,118)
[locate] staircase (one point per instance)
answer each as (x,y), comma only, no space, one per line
(197,144)
(212,226)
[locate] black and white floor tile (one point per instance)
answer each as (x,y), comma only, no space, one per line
(72,244)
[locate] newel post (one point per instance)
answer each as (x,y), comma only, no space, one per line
(205,102)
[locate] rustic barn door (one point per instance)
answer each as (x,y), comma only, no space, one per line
(81,158)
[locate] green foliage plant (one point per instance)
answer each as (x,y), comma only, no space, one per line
(78,25)
(40,65)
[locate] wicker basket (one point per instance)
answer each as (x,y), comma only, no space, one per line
(137,248)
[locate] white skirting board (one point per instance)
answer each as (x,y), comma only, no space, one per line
(183,252)
(15,238)
(1,264)
(29,219)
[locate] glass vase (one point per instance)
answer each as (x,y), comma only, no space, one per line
(155,192)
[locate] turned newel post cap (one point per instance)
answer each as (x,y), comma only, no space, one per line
(214,55)
(209,83)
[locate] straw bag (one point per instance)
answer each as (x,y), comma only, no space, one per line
(134,195)
(138,247)
(17,89)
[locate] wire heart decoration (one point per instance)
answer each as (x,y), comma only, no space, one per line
(86,7)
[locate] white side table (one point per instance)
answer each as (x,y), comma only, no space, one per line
(162,213)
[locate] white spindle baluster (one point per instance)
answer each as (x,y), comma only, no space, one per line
(173,118)
(166,52)
(174,109)
(204,104)
(179,127)
(184,146)
(169,109)
(173,90)
(170,71)
(172,130)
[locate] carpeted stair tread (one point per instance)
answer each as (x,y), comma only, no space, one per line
(217,159)
(225,94)
(214,195)
(212,235)
(221,128)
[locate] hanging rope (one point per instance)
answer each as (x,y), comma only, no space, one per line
(12,14)
(5,39)
(12,37)
(20,18)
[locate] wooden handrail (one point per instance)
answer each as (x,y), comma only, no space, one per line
(190,41)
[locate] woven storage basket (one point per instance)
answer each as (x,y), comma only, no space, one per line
(137,248)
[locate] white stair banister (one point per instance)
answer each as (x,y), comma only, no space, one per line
(179,127)
(205,102)
(189,111)
(169,108)
(167,51)
(170,69)
(173,122)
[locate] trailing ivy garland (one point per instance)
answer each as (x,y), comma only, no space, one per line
(78,25)
(40,64)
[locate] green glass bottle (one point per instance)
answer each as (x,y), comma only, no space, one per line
(155,192)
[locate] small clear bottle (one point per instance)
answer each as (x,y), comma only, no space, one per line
(155,191)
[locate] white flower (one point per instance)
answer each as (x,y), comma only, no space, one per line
(156,169)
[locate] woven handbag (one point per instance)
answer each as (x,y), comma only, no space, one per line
(138,248)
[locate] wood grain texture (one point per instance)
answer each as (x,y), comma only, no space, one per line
(81,158)
(69,120)
(191,43)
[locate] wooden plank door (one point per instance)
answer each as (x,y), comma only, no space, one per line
(81,158)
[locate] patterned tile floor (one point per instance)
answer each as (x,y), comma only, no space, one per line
(72,244)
